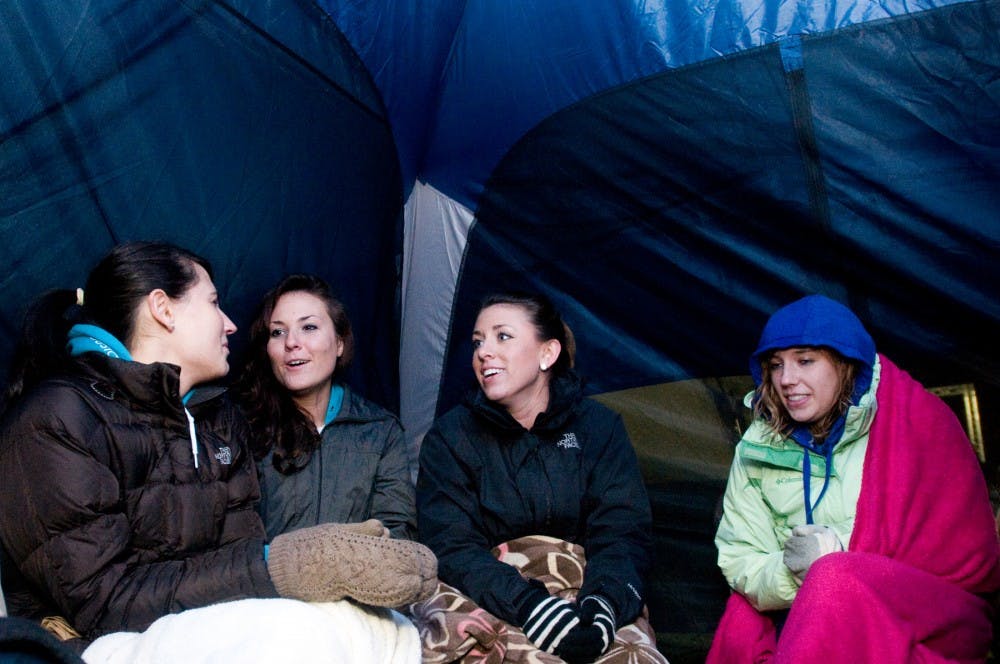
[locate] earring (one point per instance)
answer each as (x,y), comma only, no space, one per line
(544,367)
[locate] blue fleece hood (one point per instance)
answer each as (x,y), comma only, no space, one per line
(816,320)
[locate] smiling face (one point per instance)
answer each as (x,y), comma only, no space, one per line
(201,329)
(303,345)
(807,381)
(507,358)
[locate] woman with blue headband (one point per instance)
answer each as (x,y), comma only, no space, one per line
(856,523)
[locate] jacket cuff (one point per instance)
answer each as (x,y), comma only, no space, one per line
(527,600)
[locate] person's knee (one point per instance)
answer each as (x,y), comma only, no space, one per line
(834,577)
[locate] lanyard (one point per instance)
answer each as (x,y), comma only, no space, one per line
(807,477)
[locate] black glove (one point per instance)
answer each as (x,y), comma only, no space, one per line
(592,637)
(547,619)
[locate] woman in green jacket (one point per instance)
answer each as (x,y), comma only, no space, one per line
(856,525)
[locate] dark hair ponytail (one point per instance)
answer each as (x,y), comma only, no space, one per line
(130,272)
(41,348)
(112,295)
(547,321)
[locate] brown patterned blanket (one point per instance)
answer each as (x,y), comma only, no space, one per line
(454,629)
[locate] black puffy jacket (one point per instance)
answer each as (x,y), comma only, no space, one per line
(104,518)
(484,480)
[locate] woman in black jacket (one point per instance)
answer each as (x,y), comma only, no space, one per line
(528,455)
(129,494)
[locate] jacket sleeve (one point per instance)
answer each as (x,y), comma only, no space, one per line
(617,540)
(451,526)
(750,554)
(64,524)
(393,500)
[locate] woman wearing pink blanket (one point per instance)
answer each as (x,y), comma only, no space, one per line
(856,524)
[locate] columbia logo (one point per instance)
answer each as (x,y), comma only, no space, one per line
(568,440)
(224,456)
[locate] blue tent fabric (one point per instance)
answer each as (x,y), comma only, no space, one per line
(669,172)
(171,120)
(509,66)
(405,46)
(701,199)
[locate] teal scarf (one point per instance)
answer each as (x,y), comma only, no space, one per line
(92,339)
(336,401)
(84,338)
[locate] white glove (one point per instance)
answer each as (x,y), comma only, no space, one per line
(806,545)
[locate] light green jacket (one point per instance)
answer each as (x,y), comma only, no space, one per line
(764,501)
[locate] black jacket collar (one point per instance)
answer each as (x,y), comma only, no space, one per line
(565,392)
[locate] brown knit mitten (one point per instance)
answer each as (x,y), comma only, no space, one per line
(331,561)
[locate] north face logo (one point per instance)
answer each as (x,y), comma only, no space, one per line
(568,440)
(224,456)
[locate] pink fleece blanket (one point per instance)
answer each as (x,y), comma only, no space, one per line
(924,548)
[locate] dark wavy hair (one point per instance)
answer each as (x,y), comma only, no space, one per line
(112,295)
(276,422)
(547,321)
(768,406)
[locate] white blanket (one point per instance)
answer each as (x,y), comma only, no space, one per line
(266,630)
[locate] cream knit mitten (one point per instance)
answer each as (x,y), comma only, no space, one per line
(371,527)
(331,561)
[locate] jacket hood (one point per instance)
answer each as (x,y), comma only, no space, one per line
(156,385)
(816,320)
